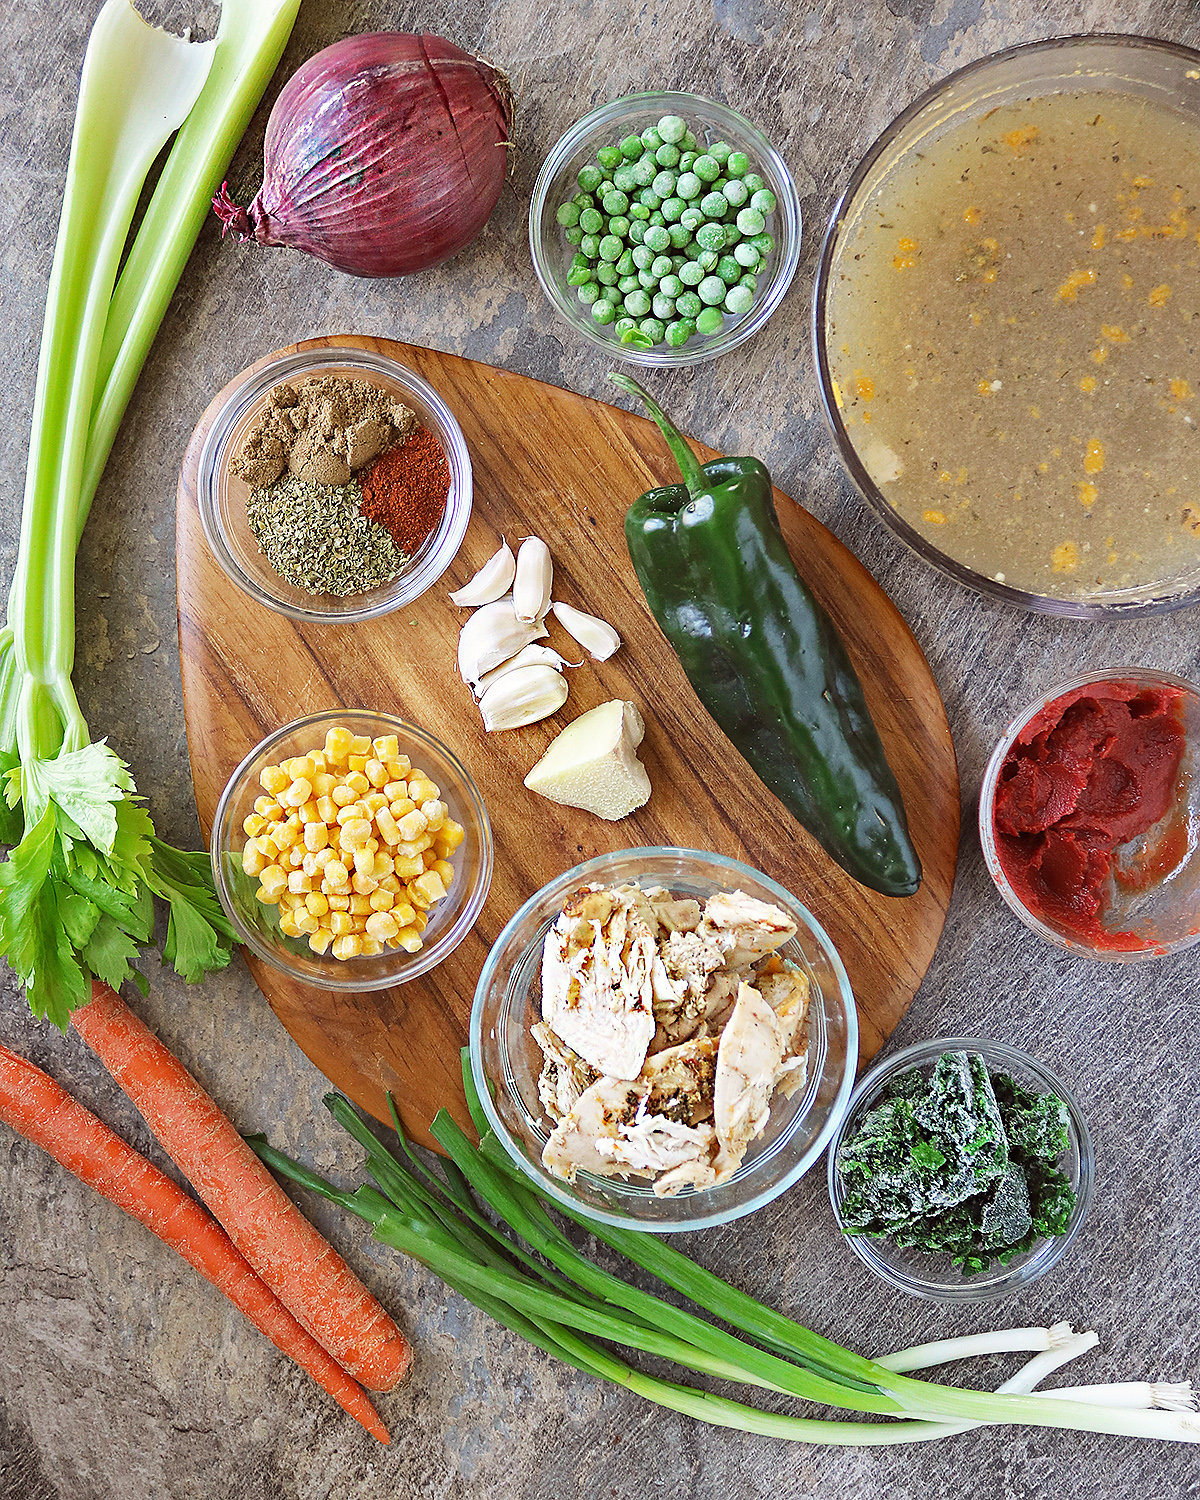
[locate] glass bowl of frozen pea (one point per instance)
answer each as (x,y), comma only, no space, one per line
(665,228)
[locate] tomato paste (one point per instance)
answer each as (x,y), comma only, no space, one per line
(1091,772)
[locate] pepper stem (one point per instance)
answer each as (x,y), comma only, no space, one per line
(689,464)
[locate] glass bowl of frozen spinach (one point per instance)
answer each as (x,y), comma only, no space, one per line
(303,540)
(962,1170)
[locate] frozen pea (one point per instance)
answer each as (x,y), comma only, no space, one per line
(644,171)
(678,258)
(591,221)
(706,168)
(579,262)
(657,239)
(610,247)
(642,255)
(670,285)
(711,320)
(579,275)
(714,205)
(610,157)
(749,279)
(648,281)
(711,290)
(661,266)
(603,312)
(746,255)
(711,236)
(567,215)
(763,199)
(607,274)
(691,273)
(688,186)
(687,161)
(574,235)
(664,184)
(657,219)
(618,225)
(631,147)
(719,185)
(615,202)
(739,300)
(728,270)
(680,234)
(625,266)
(604,187)
(651,139)
(628,283)
(688,305)
(707,260)
(588,293)
(688,143)
(733,236)
(764,243)
(750,221)
(649,198)
(692,217)
(671,128)
(589,178)
(589,245)
(737,164)
(667,155)
(654,329)
(679,332)
(672,209)
(637,304)
(613,294)
(638,214)
(622,325)
(584,200)
(720,152)
(736,192)
(623,179)
(753,182)
(663,307)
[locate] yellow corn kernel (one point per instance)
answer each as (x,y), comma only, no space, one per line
(320,940)
(295,857)
(358,783)
(357,762)
(337,902)
(364,862)
(304,920)
(361,745)
(376,772)
(287,925)
(323,783)
(308,813)
(381,925)
(297,794)
(327,809)
(360,922)
(266,897)
(371,947)
(372,844)
(421,789)
(317,903)
(446,871)
(399,766)
(299,883)
(363,885)
(316,836)
(412,847)
(340,922)
(420,921)
(287,835)
(412,825)
(391,883)
(253,824)
(355,833)
(386,747)
(322,857)
(407,938)
(342,795)
(337,744)
(272,779)
(262,803)
(394,789)
(349,811)
(300,766)
(254,861)
(360,904)
(429,858)
(273,879)
(399,807)
(375,803)
(318,761)
(452,834)
(336,875)
(417,896)
(386,823)
(383,865)
(381,900)
(408,867)
(430,884)
(288,901)
(435,814)
(404,912)
(309,865)
(349,946)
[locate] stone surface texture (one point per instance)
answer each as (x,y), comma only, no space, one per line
(121,1374)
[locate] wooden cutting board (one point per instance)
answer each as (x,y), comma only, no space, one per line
(551,462)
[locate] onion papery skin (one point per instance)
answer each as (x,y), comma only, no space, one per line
(385,154)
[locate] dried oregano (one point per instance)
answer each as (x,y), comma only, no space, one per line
(315,537)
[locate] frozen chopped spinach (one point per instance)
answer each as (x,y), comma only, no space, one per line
(958,1163)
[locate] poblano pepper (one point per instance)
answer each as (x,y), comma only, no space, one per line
(764,657)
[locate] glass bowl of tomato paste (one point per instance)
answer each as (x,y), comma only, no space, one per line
(1089,815)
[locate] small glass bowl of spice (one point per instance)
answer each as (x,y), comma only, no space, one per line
(334,483)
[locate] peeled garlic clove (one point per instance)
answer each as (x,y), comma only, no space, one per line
(597,637)
(492,635)
(535,574)
(530,656)
(492,581)
(523,697)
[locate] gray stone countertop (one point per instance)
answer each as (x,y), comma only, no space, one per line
(121,1373)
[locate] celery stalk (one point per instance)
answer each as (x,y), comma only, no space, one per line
(249,43)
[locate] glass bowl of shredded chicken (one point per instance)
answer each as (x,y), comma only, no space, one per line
(664,1039)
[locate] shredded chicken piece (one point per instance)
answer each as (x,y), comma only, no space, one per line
(751,1050)
(564,1074)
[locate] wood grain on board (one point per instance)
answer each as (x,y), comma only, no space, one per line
(566,467)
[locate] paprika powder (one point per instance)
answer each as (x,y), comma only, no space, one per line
(405,489)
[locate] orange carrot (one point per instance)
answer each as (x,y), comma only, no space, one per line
(307,1275)
(31,1102)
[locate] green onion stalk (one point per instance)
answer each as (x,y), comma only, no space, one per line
(76,894)
(485,1230)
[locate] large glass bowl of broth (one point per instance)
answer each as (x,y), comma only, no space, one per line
(1007,326)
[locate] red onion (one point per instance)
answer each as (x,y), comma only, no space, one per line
(385,154)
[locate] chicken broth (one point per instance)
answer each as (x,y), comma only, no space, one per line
(1012,332)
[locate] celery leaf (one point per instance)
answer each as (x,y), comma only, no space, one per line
(109,952)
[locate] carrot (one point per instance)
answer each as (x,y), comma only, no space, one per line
(43,1112)
(307,1275)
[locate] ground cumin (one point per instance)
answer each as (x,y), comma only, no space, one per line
(405,489)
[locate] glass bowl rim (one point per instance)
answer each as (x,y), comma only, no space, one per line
(256,381)
(847,453)
(1007,1279)
(560,1191)
(791,226)
(428,956)
(987,792)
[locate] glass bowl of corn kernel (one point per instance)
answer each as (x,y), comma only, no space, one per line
(351,850)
